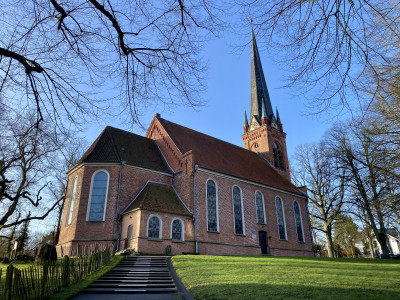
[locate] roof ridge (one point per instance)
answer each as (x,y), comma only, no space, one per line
(113,143)
(198,132)
(91,147)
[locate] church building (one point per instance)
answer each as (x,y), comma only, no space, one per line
(178,191)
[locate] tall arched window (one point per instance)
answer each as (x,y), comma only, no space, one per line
(154,227)
(260,208)
(278,161)
(177,230)
(98,197)
(238,210)
(212,206)
(280,215)
(72,200)
(299,223)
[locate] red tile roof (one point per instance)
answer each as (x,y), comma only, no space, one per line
(158,197)
(220,156)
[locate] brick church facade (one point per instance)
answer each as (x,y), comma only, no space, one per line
(184,191)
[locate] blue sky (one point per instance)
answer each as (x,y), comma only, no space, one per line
(228,95)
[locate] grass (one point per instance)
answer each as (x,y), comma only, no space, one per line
(234,277)
(18,264)
(75,288)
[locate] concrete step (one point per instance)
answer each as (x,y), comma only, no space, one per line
(141,280)
(133,274)
(139,274)
(133,271)
(136,275)
(128,291)
(132,285)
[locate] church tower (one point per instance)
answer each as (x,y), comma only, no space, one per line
(264,134)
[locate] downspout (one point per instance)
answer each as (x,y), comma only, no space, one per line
(195,207)
(117,215)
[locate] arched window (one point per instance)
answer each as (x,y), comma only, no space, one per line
(278,161)
(72,200)
(299,223)
(280,215)
(154,227)
(177,230)
(212,206)
(260,208)
(130,232)
(98,197)
(238,210)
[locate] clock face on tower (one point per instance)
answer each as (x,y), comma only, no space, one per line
(273,124)
(254,125)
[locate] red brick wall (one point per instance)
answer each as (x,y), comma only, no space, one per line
(132,218)
(67,232)
(226,220)
(218,249)
(265,136)
(150,246)
(170,151)
(132,182)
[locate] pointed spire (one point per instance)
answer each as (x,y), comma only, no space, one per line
(259,91)
(278,119)
(263,113)
(246,123)
(264,117)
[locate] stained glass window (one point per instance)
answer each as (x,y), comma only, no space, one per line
(238,210)
(212,209)
(260,208)
(177,230)
(299,225)
(153,229)
(281,218)
(72,200)
(98,197)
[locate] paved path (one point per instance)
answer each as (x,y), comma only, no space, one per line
(136,278)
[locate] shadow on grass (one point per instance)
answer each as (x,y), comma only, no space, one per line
(286,291)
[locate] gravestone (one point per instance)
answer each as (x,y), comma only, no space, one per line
(46,253)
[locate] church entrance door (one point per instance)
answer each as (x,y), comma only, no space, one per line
(262,237)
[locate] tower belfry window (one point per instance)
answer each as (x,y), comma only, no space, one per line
(278,161)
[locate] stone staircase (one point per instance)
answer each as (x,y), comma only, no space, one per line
(136,275)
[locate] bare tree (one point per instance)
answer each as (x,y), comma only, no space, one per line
(62,58)
(328,45)
(27,159)
(363,156)
(315,168)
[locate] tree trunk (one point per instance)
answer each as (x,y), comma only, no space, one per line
(382,237)
(329,240)
(370,245)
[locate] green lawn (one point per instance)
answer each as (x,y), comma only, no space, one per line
(234,277)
